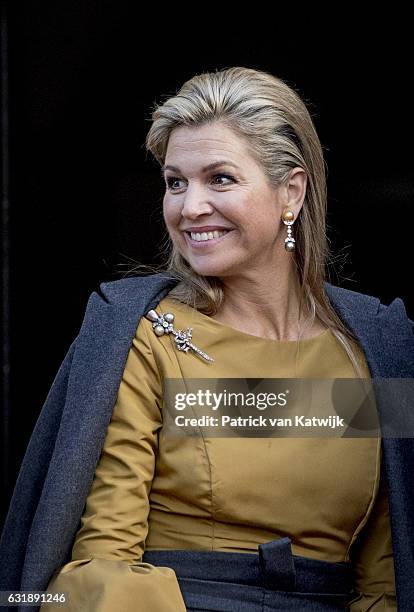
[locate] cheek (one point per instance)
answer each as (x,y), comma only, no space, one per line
(171,214)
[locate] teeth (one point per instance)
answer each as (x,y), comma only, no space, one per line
(207,235)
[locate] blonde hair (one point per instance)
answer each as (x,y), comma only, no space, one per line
(276,126)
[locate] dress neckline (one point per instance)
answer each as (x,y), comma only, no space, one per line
(318,338)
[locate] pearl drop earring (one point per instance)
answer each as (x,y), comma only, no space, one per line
(288,219)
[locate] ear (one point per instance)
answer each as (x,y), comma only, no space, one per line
(296,189)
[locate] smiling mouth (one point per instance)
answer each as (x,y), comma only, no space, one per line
(203,240)
(207,236)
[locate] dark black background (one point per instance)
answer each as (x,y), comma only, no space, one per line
(85,198)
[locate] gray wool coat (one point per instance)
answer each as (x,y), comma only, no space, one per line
(65,446)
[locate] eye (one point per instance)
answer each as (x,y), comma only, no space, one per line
(226,176)
(170,180)
(173,181)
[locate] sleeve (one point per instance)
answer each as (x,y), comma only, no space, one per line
(106,572)
(373,561)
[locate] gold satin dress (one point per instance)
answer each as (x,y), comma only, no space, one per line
(152,492)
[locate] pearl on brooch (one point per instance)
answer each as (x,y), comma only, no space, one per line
(152,315)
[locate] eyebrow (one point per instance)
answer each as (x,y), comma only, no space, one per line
(212,166)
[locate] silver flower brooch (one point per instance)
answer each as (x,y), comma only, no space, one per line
(163,324)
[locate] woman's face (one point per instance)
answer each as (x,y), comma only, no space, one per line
(213,184)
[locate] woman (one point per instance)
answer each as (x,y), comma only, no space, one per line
(120,515)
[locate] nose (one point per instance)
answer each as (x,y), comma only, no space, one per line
(195,203)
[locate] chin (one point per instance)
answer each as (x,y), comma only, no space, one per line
(211,269)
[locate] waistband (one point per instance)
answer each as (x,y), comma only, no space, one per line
(250,581)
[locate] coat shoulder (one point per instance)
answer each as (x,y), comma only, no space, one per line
(123,290)
(351,300)
(348,299)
